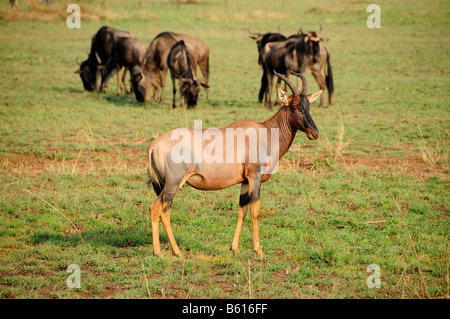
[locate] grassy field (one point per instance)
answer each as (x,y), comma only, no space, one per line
(373,189)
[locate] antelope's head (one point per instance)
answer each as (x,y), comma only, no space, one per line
(298,106)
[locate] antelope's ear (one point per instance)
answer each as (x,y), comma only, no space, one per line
(314,96)
(283,97)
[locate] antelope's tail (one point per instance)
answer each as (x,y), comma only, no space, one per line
(152,180)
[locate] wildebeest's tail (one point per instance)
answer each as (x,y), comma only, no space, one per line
(263,88)
(329,77)
(152,180)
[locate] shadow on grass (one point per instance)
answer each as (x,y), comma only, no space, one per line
(127,237)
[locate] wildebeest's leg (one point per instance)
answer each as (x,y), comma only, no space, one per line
(106,72)
(204,67)
(254,184)
(163,84)
(124,80)
(277,102)
(119,88)
(182,99)
(269,89)
(285,84)
(155,93)
(174,90)
(244,200)
(319,75)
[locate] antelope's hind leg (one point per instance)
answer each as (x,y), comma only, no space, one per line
(155,213)
(161,208)
(244,200)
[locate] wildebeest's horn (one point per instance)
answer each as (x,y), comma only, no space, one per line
(303,32)
(255,33)
(98,58)
(321,28)
(305,86)
(78,62)
(289,83)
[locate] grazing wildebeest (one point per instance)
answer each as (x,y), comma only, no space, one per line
(301,52)
(101,49)
(241,167)
(261,40)
(127,52)
(153,74)
(180,61)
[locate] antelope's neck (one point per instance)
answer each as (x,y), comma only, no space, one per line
(286,131)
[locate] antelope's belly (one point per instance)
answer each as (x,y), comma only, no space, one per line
(216,177)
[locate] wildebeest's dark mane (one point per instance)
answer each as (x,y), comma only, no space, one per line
(186,62)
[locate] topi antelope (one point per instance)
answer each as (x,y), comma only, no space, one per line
(244,168)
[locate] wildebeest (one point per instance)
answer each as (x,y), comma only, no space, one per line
(153,74)
(101,49)
(263,38)
(301,52)
(127,52)
(276,134)
(180,61)
(321,58)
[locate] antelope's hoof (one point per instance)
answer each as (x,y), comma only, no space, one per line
(235,250)
(157,253)
(177,254)
(259,252)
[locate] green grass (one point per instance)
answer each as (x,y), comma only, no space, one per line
(85,154)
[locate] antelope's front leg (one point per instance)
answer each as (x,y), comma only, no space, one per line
(254,189)
(244,200)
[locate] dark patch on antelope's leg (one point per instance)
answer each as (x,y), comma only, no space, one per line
(244,199)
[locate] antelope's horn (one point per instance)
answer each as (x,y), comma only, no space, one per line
(305,85)
(289,83)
